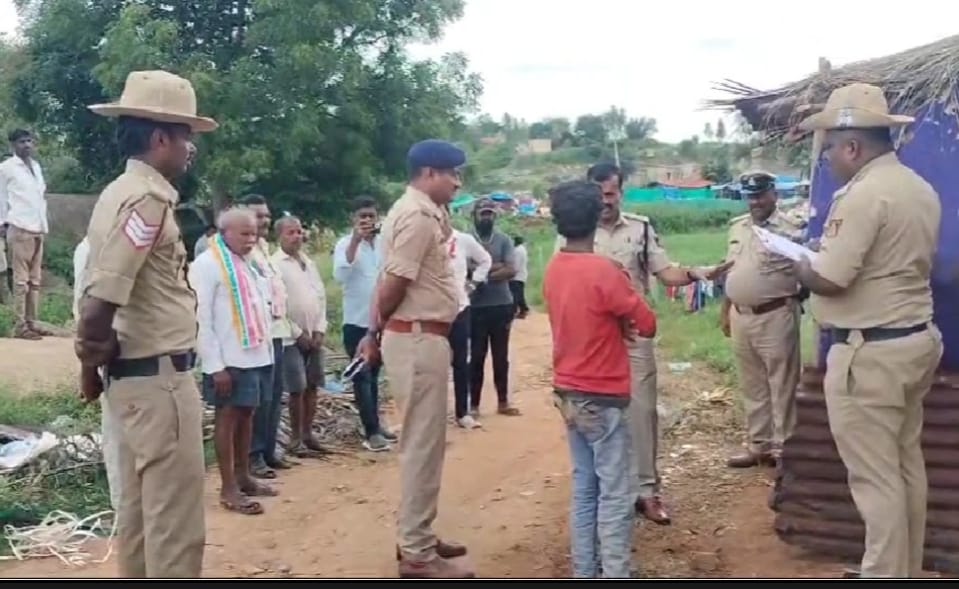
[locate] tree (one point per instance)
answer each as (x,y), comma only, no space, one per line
(591,129)
(720,130)
(310,115)
(641,128)
(718,171)
(540,130)
(708,132)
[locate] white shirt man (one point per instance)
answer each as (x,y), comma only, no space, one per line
(465,252)
(521,263)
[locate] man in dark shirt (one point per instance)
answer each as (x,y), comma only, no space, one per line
(492,311)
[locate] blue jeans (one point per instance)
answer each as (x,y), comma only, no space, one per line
(601,527)
(366,386)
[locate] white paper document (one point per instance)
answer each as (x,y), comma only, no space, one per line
(778,244)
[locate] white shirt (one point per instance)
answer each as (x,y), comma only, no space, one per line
(80,256)
(306,295)
(521,263)
(467,251)
(358,278)
(218,345)
(23,201)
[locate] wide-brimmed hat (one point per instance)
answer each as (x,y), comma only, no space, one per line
(856,106)
(158,96)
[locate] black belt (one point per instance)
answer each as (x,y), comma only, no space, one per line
(878,334)
(142,367)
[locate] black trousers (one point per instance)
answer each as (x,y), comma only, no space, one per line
(519,296)
(459,338)
(489,330)
(366,385)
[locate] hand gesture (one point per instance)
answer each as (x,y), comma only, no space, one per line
(222,383)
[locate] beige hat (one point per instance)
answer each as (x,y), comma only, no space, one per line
(856,106)
(158,96)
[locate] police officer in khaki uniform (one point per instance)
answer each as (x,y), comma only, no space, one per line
(631,241)
(138,321)
(761,313)
(870,285)
(416,302)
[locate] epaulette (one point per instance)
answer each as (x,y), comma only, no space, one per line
(739,219)
(635,217)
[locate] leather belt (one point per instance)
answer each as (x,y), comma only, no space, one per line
(143,367)
(878,334)
(431,327)
(767,306)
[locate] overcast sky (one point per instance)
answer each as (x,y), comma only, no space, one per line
(657,58)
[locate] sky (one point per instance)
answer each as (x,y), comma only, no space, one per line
(657,58)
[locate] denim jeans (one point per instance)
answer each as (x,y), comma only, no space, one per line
(266,418)
(366,386)
(601,527)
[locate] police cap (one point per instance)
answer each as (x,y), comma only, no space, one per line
(436,154)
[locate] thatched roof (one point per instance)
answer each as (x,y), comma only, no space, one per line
(912,80)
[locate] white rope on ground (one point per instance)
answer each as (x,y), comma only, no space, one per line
(62,535)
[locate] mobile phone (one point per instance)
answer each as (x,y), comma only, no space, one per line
(355,366)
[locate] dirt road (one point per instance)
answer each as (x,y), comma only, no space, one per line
(505,494)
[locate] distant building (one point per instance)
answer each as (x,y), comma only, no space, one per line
(535,146)
(671,175)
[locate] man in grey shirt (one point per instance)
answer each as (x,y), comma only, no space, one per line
(492,311)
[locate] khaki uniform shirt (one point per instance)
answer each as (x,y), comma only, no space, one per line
(139,263)
(624,243)
(758,276)
(415,241)
(878,243)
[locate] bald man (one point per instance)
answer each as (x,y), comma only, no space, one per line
(237,362)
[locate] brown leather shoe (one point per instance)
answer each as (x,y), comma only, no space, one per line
(437,568)
(654,510)
(747,459)
(443,550)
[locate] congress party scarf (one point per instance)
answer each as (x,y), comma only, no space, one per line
(247,315)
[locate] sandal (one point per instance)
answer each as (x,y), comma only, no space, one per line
(509,411)
(301,451)
(258,490)
(312,444)
(244,508)
(262,471)
(281,464)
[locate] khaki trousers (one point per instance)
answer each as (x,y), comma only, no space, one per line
(160,454)
(643,416)
(417,365)
(767,350)
(874,394)
(26,261)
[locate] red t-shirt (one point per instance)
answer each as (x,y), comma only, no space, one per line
(587,296)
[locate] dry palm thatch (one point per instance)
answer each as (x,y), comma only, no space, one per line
(912,80)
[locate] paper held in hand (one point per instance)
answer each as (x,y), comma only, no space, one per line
(778,244)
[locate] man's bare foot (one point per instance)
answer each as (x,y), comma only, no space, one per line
(237,502)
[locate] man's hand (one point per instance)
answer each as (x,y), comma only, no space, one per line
(96,353)
(627,329)
(725,324)
(369,350)
(363,229)
(710,272)
(318,338)
(304,342)
(813,244)
(803,268)
(222,383)
(91,385)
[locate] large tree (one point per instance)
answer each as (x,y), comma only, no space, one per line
(317,99)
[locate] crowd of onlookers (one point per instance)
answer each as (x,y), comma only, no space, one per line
(262,315)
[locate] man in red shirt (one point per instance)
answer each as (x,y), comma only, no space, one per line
(592,304)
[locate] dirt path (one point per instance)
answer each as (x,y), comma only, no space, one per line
(505,494)
(27,367)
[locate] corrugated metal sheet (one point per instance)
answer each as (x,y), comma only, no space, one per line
(814,508)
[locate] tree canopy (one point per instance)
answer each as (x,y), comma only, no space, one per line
(317,100)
